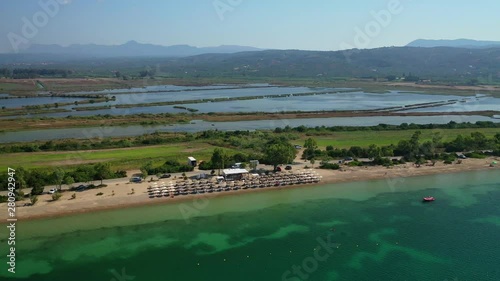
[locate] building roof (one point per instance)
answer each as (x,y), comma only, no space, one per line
(191,159)
(234,171)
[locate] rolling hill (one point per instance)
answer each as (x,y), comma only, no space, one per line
(442,62)
(458,43)
(131,49)
(437,63)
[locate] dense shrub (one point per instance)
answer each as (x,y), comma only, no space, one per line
(475,155)
(168,167)
(354,164)
(330,166)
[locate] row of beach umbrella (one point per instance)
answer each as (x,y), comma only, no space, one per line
(206,186)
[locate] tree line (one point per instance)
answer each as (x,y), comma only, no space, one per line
(387,127)
(38,178)
(169,166)
(413,149)
(270,149)
(240,139)
(276,151)
(30,73)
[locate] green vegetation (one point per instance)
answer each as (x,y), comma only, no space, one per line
(92,162)
(329,166)
(384,138)
(123,155)
(413,149)
(30,73)
(56,196)
(33,199)
(278,152)
(38,178)
(168,167)
(448,66)
(219,160)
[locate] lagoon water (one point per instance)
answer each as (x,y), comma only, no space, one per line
(325,100)
(479,103)
(378,230)
(321,99)
(198,126)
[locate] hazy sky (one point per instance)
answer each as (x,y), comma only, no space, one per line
(279,24)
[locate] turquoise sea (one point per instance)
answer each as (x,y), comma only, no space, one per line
(377,230)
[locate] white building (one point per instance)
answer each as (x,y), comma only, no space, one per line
(234,174)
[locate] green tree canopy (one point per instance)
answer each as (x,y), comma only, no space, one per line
(279,153)
(58,176)
(219,159)
(102,171)
(310,146)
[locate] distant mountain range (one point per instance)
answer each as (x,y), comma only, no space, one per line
(427,63)
(464,60)
(458,43)
(132,49)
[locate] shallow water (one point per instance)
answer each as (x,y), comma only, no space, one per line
(377,230)
(333,100)
(199,126)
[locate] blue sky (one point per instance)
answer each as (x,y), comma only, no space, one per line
(277,24)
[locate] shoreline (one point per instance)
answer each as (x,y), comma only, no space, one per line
(33,124)
(87,201)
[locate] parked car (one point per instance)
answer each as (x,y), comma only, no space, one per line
(288,167)
(278,169)
(81,187)
(461,156)
(52,191)
(165,176)
(298,146)
(349,159)
(136,179)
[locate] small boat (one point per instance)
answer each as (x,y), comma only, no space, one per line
(429,199)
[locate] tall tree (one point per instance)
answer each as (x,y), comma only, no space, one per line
(479,140)
(374,151)
(415,145)
(310,146)
(68,180)
(58,176)
(219,159)
(497,138)
(279,153)
(311,143)
(84,173)
(21,176)
(36,180)
(102,171)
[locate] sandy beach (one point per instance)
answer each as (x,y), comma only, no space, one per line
(88,201)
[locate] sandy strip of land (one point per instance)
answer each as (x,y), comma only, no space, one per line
(87,201)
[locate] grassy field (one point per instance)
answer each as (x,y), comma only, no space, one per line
(12,86)
(123,158)
(133,158)
(382,138)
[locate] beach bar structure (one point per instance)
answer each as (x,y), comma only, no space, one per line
(191,161)
(234,174)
